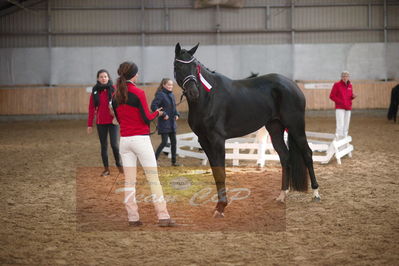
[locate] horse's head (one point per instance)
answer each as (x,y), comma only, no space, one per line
(186,72)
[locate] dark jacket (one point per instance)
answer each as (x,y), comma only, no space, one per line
(166,100)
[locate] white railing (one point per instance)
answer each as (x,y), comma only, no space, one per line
(260,149)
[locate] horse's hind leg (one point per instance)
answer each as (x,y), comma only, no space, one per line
(276,131)
(309,164)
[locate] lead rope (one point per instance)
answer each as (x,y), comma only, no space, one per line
(113,184)
(156,127)
(181,99)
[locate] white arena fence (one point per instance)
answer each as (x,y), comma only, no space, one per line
(258,147)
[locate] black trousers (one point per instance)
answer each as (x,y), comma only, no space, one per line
(103,130)
(172,137)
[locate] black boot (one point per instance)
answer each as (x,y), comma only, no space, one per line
(105,172)
(174,163)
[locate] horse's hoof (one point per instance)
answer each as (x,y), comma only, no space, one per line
(282,196)
(316,195)
(218,214)
(280,200)
(316,199)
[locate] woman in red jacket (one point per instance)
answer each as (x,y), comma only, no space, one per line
(99,106)
(131,110)
(342,94)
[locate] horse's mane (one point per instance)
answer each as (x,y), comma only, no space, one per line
(203,66)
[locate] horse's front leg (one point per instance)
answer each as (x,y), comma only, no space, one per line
(215,151)
(219,174)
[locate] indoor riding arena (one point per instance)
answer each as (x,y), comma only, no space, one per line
(62,204)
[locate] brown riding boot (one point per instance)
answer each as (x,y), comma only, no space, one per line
(135,223)
(120,168)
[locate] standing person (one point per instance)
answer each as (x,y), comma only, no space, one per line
(165,98)
(342,94)
(100,98)
(131,109)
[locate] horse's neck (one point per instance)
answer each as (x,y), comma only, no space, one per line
(192,106)
(207,74)
(200,106)
(213,76)
(199,110)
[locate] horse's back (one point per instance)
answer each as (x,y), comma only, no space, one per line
(272,78)
(252,103)
(281,81)
(276,84)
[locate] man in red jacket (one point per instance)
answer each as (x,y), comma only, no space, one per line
(342,94)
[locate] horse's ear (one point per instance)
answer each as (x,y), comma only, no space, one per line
(192,51)
(177,49)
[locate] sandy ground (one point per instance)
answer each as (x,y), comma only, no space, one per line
(55,209)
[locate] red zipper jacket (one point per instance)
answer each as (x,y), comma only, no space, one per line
(342,95)
(102,112)
(134,117)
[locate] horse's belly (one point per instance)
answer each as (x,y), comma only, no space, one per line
(244,127)
(251,116)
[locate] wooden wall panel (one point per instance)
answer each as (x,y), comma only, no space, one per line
(75,100)
(370,95)
(46,100)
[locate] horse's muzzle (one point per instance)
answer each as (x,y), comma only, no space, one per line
(192,92)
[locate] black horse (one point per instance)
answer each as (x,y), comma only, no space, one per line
(253,75)
(393,107)
(221,108)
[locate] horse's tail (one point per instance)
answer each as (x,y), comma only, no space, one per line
(393,106)
(298,171)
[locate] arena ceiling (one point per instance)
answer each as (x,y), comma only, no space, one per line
(10,6)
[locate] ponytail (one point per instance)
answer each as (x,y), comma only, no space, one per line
(126,71)
(121,92)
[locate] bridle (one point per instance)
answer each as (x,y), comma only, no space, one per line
(186,79)
(189,77)
(185,62)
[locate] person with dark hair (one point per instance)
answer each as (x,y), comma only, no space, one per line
(167,122)
(99,106)
(131,109)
